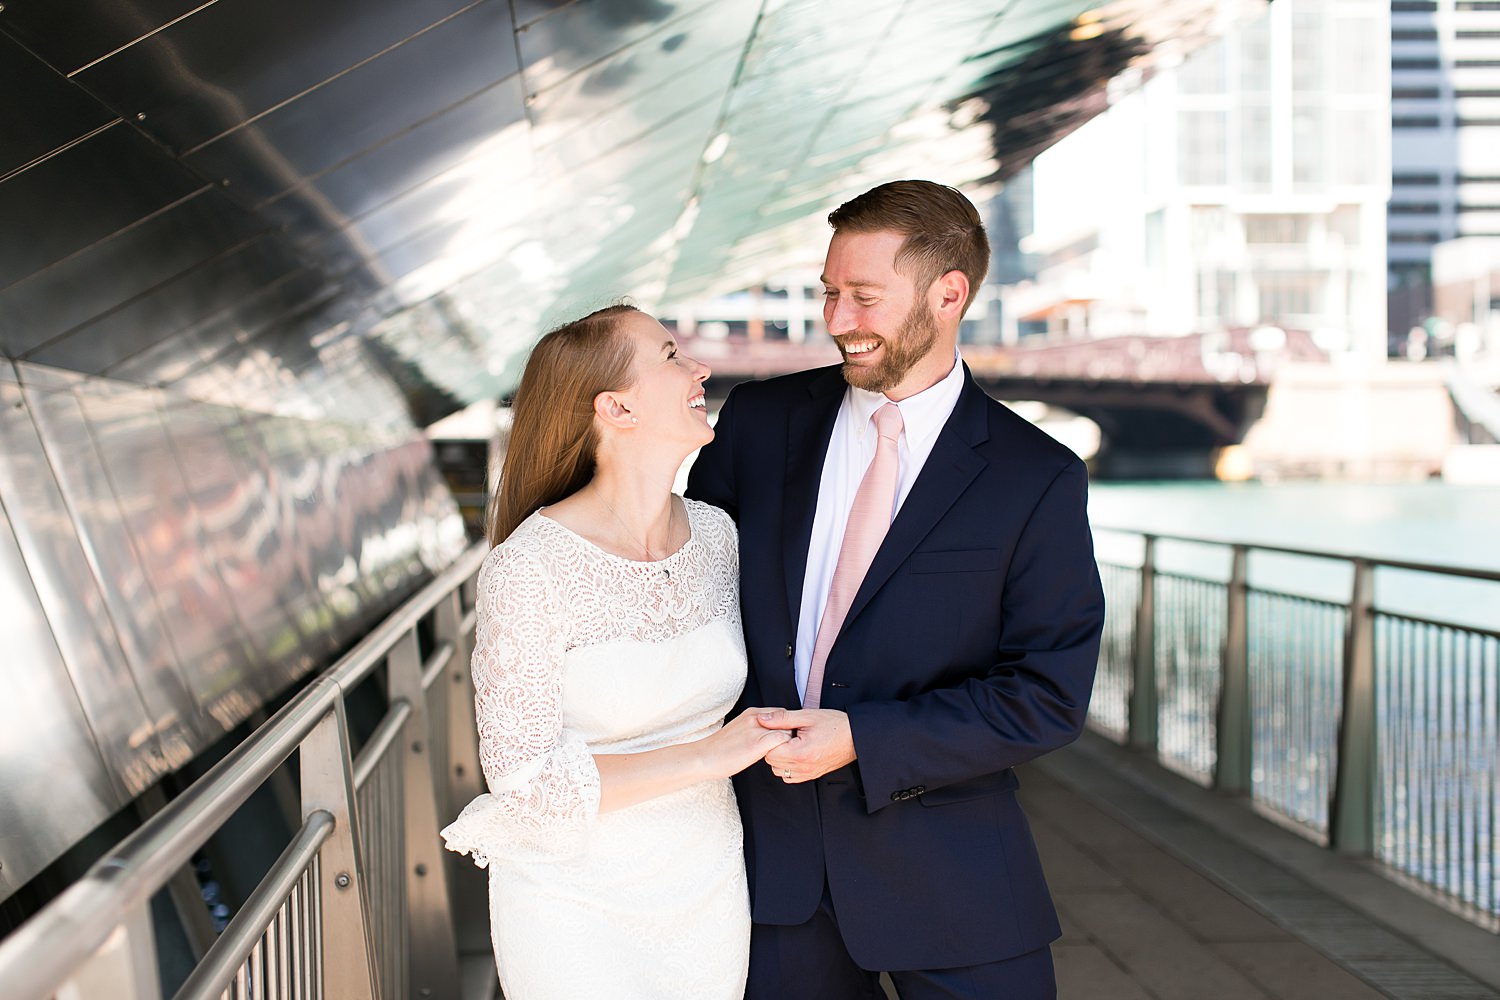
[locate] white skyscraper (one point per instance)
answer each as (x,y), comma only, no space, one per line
(1245,186)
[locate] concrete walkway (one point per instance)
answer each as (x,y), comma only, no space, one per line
(1157,902)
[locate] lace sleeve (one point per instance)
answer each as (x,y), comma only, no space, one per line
(543,785)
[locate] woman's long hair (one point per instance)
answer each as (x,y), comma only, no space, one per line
(553,441)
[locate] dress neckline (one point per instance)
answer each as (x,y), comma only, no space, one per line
(686,513)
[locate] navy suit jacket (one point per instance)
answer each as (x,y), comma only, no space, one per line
(969,648)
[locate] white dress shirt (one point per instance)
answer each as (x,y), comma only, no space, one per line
(850,451)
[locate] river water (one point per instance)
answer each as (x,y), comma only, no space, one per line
(1427,522)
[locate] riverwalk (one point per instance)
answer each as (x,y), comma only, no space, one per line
(1168,891)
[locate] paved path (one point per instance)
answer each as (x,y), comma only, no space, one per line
(1156,904)
(1170,892)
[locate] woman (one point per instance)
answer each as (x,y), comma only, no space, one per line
(608,651)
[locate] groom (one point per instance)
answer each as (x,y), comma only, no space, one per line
(917,574)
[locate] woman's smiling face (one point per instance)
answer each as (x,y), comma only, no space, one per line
(666,395)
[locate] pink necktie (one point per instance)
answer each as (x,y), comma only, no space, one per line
(869,520)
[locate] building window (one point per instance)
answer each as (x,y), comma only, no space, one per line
(1473,34)
(1255,145)
(1216,297)
(1478,122)
(1350,148)
(1203,147)
(1414,121)
(1419,179)
(1423,63)
(1307,50)
(1478,208)
(1206,72)
(1156,239)
(1479,178)
(1472,5)
(1413,208)
(1414,34)
(1284,294)
(1476,63)
(1492,92)
(1415,93)
(1309,142)
(1277,229)
(1255,56)
(1421,237)
(1407,6)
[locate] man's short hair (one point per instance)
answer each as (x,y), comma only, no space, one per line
(943,230)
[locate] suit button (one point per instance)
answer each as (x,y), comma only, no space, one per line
(836,684)
(788,651)
(920,789)
(897,796)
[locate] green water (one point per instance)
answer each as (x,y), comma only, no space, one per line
(1428,522)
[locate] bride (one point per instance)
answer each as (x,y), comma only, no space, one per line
(607,654)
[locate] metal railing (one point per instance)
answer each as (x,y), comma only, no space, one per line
(1374,732)
(357,905)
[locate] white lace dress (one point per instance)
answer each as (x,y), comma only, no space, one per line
(580,652)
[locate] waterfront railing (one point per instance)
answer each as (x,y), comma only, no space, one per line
(358,905)
(1373,731)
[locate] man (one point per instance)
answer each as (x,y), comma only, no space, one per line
(931,651)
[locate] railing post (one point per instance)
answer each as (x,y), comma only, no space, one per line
(1232,761)
(124,967)
(1143,695)
(465,780)
(1351,825)
(328,783)
(433,969)
(468,887)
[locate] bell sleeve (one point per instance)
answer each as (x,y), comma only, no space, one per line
(543,785)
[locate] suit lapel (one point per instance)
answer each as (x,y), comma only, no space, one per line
(809,429)
(950,468)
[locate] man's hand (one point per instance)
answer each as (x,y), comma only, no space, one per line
(823,743)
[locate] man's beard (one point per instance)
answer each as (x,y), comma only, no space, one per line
(911,343)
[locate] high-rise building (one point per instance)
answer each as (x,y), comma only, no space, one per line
(1245,186)
(1445,151)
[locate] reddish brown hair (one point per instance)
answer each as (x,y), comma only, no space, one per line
(943,230)
(553,441)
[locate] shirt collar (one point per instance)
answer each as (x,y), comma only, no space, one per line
(922,415)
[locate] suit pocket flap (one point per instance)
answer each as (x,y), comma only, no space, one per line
(974,788)
(956,561)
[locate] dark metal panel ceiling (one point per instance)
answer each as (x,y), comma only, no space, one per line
(323,209)
(229,62)
(70,36)
(357,111)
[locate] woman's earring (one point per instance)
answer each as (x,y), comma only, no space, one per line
(635,420)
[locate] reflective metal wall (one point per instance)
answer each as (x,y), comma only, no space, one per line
(166,565)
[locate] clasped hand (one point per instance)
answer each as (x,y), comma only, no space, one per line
(821,742)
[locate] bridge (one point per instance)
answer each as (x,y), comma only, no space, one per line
(1164,405)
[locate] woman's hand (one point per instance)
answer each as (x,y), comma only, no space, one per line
(741,742)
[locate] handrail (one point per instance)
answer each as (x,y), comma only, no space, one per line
(355,665)
(42,953)
(380,741)
(1469,572)
(239,938)
(1361,726)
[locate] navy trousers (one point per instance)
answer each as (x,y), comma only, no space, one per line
(809,962)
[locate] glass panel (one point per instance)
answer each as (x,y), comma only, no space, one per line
(1203,146)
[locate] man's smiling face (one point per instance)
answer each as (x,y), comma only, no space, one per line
(882,324)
